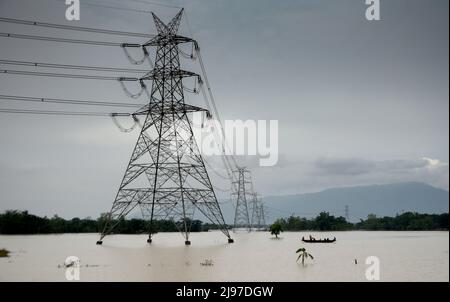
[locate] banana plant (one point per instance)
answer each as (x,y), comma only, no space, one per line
(303,254)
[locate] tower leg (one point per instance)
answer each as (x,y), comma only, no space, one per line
(150,228)
(186,233)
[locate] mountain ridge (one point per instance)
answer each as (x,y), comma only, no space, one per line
(378,199)
(361,186)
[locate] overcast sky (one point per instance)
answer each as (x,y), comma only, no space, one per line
(357,102)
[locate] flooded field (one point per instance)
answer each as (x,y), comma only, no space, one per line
(256,256)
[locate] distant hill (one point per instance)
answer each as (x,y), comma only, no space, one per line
(382,200)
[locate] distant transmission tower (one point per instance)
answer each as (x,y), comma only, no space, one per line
(256,212)
(166,176)
(243,190)
(263,215)
(258,220)
(347,213)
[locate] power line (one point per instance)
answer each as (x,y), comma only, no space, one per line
(221,190)
(55,39)
(117,7)
(75,28)
(156,3)
(225,159)
(188,24)
(211,97)
(71,113)
(228,166)
(65,66)
(289,212)
(65,75)
(215,171)
(347,212)
(66,101)
(226,163)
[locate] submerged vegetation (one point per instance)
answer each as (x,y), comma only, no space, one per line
(4,253)
(303,254)
(21,222)
(207,262)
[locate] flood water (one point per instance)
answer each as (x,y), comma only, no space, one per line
(256,256)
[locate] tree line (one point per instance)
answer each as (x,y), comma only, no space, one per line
(21,222)
(408,221)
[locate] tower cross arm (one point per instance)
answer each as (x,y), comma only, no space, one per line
(158,107)
(167,73)
(162,39)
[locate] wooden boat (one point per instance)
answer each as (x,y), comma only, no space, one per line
(326,240)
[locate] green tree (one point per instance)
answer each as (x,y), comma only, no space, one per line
(324,221)
(276,229)
(303,254)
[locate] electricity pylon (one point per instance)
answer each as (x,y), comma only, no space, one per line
(166,175)
(258,220)
(262,215)
(243,190)
(255,218)
(347,213)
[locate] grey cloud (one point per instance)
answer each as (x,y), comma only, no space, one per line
(352,166)
(344,166)
(402,165)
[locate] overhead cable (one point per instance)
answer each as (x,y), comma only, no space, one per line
(156,3)
(66,66)
(116,7)
(62,40)
(75,28)
(66,101)
(50,112)
(64,75)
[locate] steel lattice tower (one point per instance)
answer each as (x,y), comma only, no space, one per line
(166,175)
(347,213)
(258,219)
(262,215)
(242,190)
